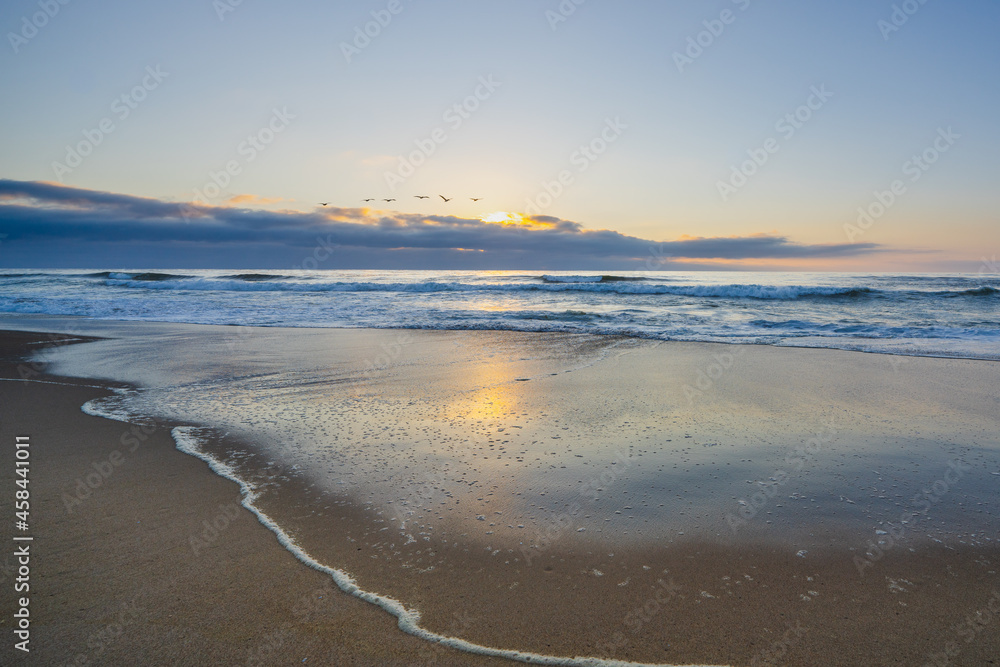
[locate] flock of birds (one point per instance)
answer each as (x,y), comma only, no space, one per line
(446,199)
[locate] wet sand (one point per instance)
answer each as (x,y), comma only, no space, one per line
(801,580)
(116,581)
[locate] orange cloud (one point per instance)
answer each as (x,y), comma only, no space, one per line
(236,200)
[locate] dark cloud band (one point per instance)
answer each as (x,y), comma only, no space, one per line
(76,222)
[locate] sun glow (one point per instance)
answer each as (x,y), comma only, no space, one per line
(505,218)
(513,220)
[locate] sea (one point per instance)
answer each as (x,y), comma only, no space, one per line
(954,315)
(423,438)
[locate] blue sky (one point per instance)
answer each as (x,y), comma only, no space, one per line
(664,140)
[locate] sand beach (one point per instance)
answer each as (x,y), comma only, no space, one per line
(701,504)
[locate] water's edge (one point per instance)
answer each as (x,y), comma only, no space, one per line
(188,439)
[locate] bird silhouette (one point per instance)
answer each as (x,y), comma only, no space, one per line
(421,196)
(445,198)
(367,200)
(388,200)
(475,198)
(323,203)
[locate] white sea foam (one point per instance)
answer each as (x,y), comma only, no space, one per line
(851,311)
(113,407)
(64,384)
(188,441)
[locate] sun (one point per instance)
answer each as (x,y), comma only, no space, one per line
(516,220)
(504,218)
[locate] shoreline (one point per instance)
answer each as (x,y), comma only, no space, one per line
(117,580)
(8,320)
(713,568)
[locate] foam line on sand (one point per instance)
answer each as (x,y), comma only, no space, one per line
(187,439)
(409,619)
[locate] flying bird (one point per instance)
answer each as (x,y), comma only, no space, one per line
(388,200)
(445,198)
(421,196)
(323,203)
(475,198)
(367,200)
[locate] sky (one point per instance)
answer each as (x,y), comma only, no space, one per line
(730,134)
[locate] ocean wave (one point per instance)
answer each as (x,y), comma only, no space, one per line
(591,279)
(582,283)
(781,292)
(979,291)
(147,276)
(565,316)
(285,284)
(256,277)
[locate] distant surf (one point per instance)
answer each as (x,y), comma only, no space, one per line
(591,279)
(941,314)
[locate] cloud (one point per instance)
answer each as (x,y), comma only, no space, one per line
(236,200)
(52,225)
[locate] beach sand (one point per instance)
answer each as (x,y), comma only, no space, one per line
(116,580)
(131,572)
